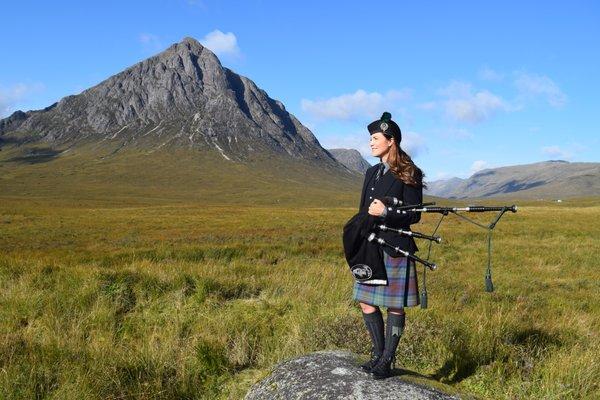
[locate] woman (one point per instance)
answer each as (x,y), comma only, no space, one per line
(396,176)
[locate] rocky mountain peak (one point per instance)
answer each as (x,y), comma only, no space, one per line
(351,158)
(188,40)
(181,96)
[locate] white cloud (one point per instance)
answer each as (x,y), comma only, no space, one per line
(442,175)
(357,141)
(354,105)
(488,74)
(150,42)
(478,166)
(413,143)
(12,96)
(464,105)
(427,106)
(221,43)
(557,152)
(532,85)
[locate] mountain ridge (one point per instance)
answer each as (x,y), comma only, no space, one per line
(351,158)
(553,178)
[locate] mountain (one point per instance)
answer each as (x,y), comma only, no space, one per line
(182,96)
(178,120)
(351,158)
(444,188)
(548,179)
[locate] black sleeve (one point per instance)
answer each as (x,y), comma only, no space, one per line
(410,195)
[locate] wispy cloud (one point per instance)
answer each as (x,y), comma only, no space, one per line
(150,42)
(463,104)
(460,102)
(488,74)
(221,43)
(479,165)
(413,143)
(427,106)
(557,152)
(358,141)
(442,175)
(355,105)
(10,97)
(567,152)
(532,85)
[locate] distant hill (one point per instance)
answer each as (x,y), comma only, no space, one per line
(177,124)
(351,158)
(548,179)
(443,188)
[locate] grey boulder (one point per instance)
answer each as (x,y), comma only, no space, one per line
(334,375)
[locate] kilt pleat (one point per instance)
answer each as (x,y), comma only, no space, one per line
(401,291)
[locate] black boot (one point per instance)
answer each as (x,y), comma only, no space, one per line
(393,332)
(374,323)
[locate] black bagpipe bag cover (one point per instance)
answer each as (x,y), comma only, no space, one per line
(364,258)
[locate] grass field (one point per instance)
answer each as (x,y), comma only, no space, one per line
(102,300)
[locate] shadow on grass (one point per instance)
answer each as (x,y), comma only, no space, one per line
(524,346)
(36,156)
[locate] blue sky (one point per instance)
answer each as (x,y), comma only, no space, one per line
(471,84)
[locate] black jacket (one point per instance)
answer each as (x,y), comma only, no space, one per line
(389,185)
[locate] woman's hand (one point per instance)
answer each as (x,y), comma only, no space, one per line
(376,208)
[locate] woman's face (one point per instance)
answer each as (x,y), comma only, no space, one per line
(380,145)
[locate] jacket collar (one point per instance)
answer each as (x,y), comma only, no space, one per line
(387,180)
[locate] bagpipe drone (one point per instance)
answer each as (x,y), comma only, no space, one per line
(362,245)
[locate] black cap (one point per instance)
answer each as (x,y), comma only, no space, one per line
(386,126)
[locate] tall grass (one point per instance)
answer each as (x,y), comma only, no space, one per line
(188,301)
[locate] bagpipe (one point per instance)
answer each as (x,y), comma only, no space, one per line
(361,238)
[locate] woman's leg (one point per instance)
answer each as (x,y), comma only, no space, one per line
(367,308)
(393,332)
(374,323)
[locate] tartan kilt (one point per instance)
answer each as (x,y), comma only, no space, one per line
(401,291)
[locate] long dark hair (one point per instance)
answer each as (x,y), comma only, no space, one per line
(403,167)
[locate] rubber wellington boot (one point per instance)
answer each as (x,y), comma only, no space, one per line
(374,323)
(393,332)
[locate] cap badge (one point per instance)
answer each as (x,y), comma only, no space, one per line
(383,126)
